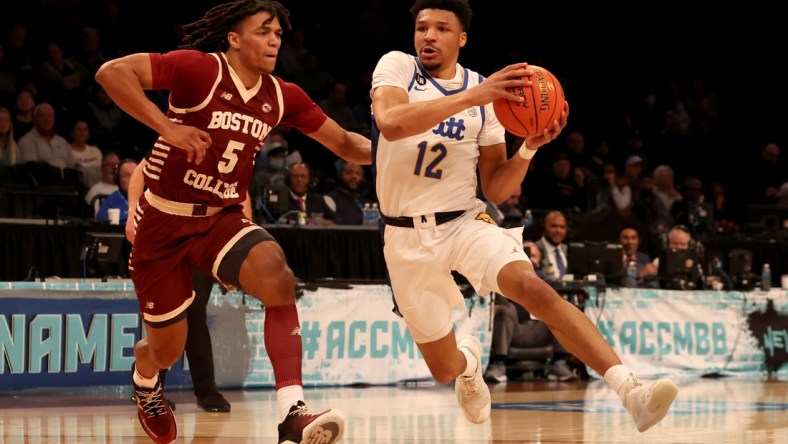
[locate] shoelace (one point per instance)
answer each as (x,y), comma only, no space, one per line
(470,385)
(635,384)
(152,403)
(301,410)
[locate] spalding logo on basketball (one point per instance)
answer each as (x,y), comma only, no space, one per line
(544,102)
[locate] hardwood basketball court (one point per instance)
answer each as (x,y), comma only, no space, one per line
(706,411)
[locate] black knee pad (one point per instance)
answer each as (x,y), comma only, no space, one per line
(230,268)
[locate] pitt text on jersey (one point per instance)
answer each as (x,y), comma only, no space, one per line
(451,128)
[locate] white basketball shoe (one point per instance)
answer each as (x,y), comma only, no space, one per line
(472,393)
(647,402)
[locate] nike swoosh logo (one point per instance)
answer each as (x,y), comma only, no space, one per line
(419,89)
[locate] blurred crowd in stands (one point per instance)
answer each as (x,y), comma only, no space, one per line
(661,153)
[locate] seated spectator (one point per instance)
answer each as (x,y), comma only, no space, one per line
(336,107)
(680,238)
(88,156)
(272,172)
(301,181)
(629,238)
(43,144)
(106,185)
(105,119)
(665,194)
(120,198)
(9,151)
(347,199)
(276,138)
(23,115)
(552,246)
(514,327)
(692,211)
(727,215)
(614,192)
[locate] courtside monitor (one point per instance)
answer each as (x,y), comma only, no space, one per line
(271,203)
(679,269)
(597,258)
(766,218)
(104,247)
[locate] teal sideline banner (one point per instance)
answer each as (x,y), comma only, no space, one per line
(79,334)
(695,333)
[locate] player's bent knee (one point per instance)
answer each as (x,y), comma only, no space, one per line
(266,275)
(164,355)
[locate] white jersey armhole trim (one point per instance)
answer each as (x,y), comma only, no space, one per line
(279,99)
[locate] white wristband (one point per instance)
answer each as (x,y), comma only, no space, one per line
(525,153)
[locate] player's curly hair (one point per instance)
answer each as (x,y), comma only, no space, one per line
(219,20)
(460,8)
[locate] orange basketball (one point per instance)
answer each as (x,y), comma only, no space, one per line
(544,102)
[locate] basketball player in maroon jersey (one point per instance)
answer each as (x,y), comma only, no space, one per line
(222,106)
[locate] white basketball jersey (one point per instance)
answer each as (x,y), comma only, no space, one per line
(433,171)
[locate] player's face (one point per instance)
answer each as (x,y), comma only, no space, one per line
(258,41)
(438,38)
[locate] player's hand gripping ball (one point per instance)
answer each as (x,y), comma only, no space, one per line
(544,102)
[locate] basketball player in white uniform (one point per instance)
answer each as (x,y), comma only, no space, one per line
(436,128)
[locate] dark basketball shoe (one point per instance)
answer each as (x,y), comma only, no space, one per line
(302,427)
(155,414)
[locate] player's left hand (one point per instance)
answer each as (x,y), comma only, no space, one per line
(550,133)
(190,139)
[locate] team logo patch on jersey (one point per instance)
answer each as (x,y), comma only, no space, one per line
(227,96)
(421,80)
(484,217)
(267,107)
(472,112)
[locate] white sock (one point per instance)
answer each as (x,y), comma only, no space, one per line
(143,381)
(287,397)
(616,376)
(471,362)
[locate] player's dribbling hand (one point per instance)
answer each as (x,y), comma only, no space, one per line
(502,83)
(190,139)
(550,133)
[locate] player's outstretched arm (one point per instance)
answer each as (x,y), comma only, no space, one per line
(348,145)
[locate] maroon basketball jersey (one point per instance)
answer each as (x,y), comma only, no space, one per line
(206,94)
